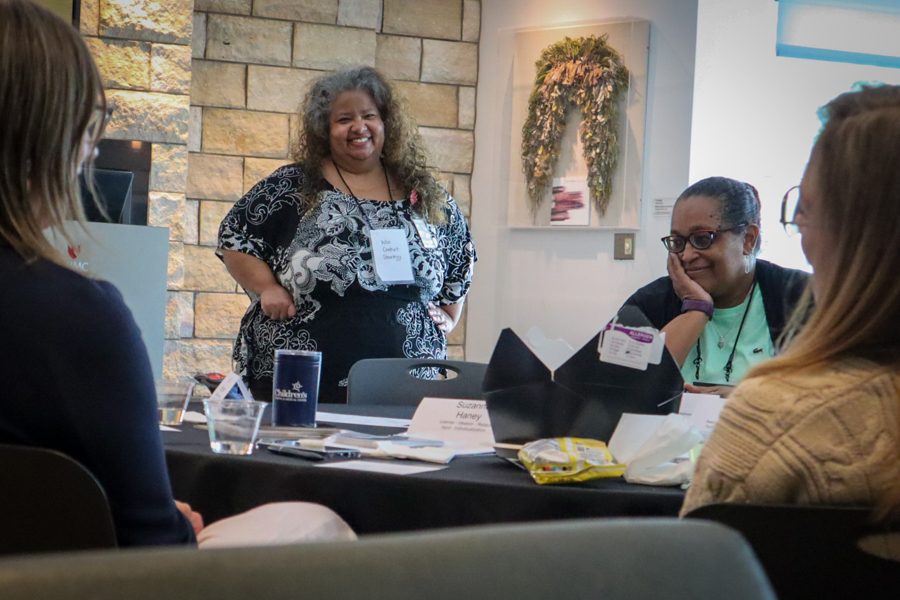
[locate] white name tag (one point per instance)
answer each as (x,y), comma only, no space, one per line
(628,347)
(425,233)
(390,251)
(456,420)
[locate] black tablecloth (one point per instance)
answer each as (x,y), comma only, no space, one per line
(471,491)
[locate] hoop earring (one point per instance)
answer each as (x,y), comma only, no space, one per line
(748,263)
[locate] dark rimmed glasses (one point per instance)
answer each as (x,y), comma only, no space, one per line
(700,239)
(790,206)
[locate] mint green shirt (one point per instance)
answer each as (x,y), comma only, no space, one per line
(755,345)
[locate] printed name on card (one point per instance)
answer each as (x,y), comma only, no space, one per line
(453,419)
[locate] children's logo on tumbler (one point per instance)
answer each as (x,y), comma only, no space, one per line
(295,389)
(295,394)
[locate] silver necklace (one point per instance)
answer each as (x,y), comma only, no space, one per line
(721,342)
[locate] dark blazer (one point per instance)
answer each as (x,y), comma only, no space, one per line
(75,377)
(781,289)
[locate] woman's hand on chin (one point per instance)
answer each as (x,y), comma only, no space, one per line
(685,287)
(277,303)
(715,390)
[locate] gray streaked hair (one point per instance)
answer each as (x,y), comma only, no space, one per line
(402,154)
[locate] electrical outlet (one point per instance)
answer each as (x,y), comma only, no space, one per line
(624,246)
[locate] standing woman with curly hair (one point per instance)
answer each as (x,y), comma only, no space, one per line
(300,242)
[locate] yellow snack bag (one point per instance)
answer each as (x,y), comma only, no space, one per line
(561,460)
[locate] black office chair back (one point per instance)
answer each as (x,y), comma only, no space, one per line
(50,503)
(811,551)
(392,381)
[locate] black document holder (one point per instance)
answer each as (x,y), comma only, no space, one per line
(583,398)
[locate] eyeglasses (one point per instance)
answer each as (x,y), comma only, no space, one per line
(100,119)
(700,239)
(790,206)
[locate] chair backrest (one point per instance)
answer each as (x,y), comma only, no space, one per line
(612,559)
(811,551)
(50,503)
(390,381)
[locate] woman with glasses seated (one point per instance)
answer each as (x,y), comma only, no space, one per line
(722,309)
(820,423)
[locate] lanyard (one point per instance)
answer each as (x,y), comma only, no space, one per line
(356,200)
(728,366)
(390,248)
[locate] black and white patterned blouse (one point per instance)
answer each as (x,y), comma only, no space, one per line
(324,260)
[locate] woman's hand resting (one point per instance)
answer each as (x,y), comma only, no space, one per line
(195,518)
(443,321)
(684,286)
(716,390)
(277,303)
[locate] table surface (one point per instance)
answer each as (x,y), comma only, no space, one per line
(470,491)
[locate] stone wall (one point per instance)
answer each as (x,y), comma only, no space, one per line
(216,90)
(143,51)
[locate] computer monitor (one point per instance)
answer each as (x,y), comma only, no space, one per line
(114,194)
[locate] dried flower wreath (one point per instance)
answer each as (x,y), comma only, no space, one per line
(587,73)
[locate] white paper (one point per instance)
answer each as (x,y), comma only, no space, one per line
(631,433)
(702,410)
(390,251)
(433,454)
(192,416)
(373,466)
(455,420)
(553,353)
(167,428)
(327,417)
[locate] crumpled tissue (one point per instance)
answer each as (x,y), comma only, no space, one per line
(654,462)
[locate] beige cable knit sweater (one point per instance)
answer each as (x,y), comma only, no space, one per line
(831,437)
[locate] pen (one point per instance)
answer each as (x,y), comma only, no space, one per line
(298,452)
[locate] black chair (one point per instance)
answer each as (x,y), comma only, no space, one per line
(50,503)
(390,381)
(811,551)
(608,559)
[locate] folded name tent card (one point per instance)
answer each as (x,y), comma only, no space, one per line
(461,424)
(584,397)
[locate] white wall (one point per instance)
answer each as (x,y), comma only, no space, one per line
(566,282)
(755,113)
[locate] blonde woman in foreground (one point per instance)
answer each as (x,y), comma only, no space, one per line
(74,373)
(820,424)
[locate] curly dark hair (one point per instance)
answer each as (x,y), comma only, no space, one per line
(402,155)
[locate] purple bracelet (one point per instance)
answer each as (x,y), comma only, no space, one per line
(703,306)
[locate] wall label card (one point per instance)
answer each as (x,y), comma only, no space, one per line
(390,251)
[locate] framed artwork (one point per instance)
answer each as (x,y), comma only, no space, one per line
(571,202)
(619,207)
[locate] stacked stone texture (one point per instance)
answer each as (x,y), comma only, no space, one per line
(215,89)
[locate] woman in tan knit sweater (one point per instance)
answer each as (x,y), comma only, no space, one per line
(820,424)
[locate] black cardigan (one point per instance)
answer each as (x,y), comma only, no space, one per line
(780,288)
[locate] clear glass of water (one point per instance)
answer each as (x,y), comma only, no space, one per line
(233,425)
(172,397)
